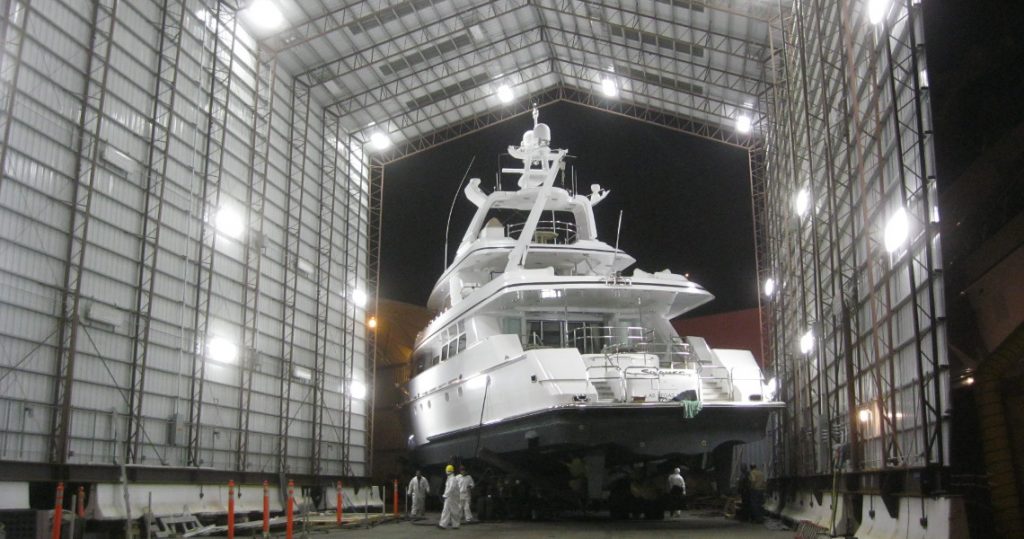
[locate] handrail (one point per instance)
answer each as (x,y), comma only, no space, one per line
(561,232)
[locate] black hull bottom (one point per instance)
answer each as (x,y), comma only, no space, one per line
(625,433)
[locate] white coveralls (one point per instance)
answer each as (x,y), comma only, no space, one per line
(466,484)
(418,488)
(676,482)
(451,513)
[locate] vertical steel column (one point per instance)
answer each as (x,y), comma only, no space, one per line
(16,15)
(917,188)
(352,179)
(263,108)
(376,216)
(225,24)
(164,97)
(296,176)
(324,257)
(90,123)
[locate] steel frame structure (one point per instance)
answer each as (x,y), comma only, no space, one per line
(849,125)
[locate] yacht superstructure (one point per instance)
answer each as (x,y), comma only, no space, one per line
(542,344)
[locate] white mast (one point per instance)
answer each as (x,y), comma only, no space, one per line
(533,149)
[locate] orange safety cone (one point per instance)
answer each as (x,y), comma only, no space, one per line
(231,509)
(338,511)
(266,510)
(58,512)
(291,516)
(395,498)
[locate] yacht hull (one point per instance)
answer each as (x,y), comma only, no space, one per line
(627,432)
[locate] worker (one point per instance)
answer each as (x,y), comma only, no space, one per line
(418,488)
(757,488)
(466,485)
(451,512)
(676,491)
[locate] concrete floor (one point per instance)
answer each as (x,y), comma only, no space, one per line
(693,525)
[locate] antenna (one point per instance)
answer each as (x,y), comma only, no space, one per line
(451,210)
(618,232)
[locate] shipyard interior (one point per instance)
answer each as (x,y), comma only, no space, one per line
(191,324)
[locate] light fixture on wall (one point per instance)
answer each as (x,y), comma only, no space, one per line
(807,342)
(896,230)
(357,389)
(877,10)
(229,222)
(769,287)
(221,350)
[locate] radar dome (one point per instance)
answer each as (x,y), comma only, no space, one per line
(543,134)
(529,139)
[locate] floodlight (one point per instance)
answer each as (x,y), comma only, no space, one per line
(265,14)
(359,297)
(877,10)
(769,287)
(609,88)
(864,415)
(743,124)
(380,141)
(505,94)
(896,230)
(358,389)
(807,342)
(229,222)
(222,350)
(803,202)
(372,322)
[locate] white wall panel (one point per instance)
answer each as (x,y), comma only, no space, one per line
(38,183)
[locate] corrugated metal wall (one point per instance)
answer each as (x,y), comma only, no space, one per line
(131,131)
(859,342)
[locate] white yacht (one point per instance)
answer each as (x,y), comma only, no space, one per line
(542,345)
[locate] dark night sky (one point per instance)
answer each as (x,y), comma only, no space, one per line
(685,201)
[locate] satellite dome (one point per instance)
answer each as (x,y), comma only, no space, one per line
(543,134)
(529,139)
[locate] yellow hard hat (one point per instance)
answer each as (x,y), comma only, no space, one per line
(449,469)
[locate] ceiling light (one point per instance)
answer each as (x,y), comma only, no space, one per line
(896,230)
(743,124)
(229,222)
(505,94)
(877,10)
(803,201)
(222,350)
(380,141)
(265,14)
(769,287)
(358,389)
(609,88)
(807,342)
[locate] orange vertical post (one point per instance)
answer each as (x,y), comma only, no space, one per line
(291,503)
(266,509)
(58,512)
(231,509)
(395,498)
(338,511)
(81,502)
